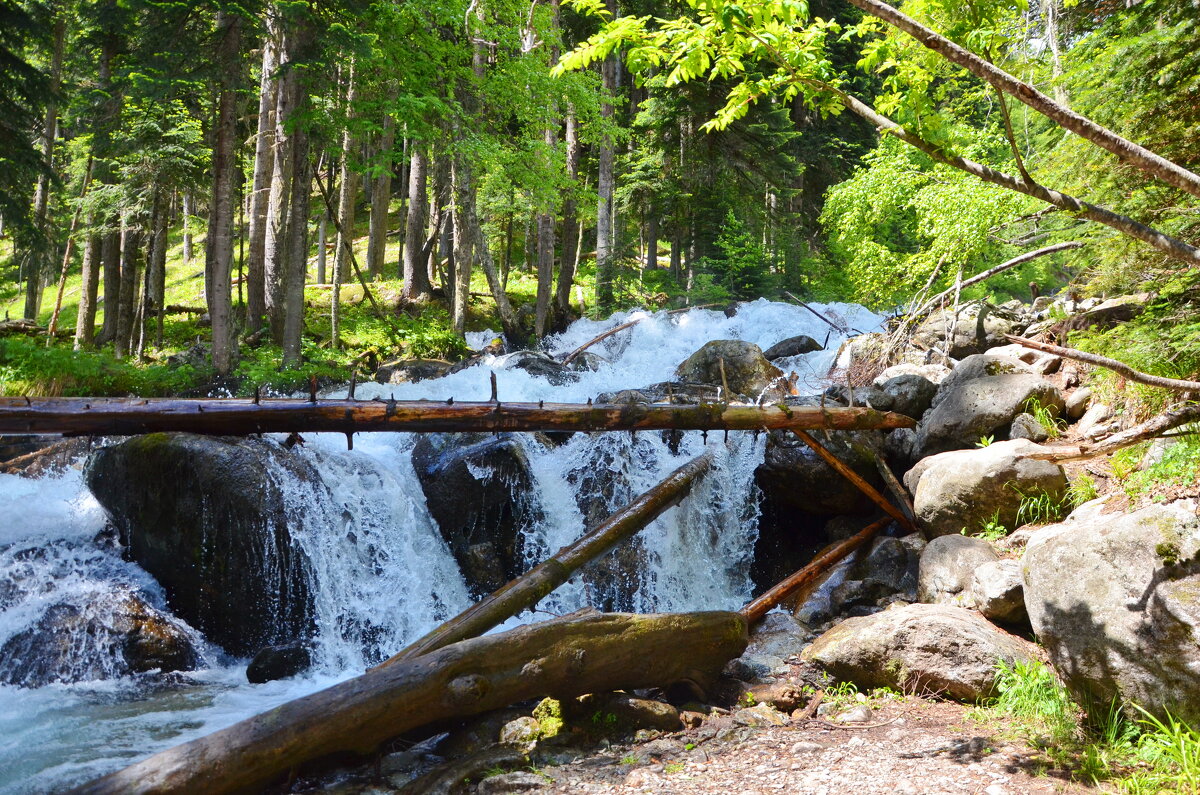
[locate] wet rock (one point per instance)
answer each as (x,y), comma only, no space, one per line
(208,520)
(979,408)
(977,326)
(541,365)
(793,476)
(998,592)
(948,567)
(476,488)
(279,662)
(519,781)
(113,635)
(920,648)
(778,636)
(1115,599)
(793,346)
(969,488)
(747,371)
(410,371)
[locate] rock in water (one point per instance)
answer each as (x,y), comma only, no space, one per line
(794,476)
(113,635)
(475,487)
(1115,599)
(205,517)
(278,662)
(747,371)
(793,346)
(920,648)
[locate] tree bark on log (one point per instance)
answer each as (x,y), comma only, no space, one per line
(1150,429)
(564,657)
(852,476)
(1120,368)
(537,583)
(240,417)
(755,610)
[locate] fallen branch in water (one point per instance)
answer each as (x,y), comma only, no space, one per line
(241,417)
(564,657)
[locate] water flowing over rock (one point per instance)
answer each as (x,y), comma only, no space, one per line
(920,648)
(205,518)
(1115,599)
(112,635)
(792,346)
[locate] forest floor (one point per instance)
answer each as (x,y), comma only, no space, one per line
(912,745)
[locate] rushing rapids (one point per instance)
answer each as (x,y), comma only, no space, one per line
(380,572)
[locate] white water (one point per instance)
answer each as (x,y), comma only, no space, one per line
(383,575)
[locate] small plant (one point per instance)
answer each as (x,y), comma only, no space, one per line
(1172,749)
(991,530)
(1038,507)
(1082,489)
(985,441)
(748,699)
(689,746)
(1031,691)
(1047,417)
(629,759)
(673,767)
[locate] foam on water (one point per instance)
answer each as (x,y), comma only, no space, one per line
(382,574)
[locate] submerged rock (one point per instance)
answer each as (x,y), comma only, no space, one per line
(113,635)
(920,649)
(278,662)
(205,517)
(1115,599)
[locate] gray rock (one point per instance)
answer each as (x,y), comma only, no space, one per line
(982,407)
(779,635)
(978,366)
(969,488)
(520,781)
(1037,361)
(977,326)
(112,635)
(1026,426)
(475,486)
(864,354)
(890,563)
(998,592)
(860,714)
(410,371)
(1096,414)
(793,346)
(635,713)
(521,731)
(747,371)
(910,395)
(760,715)
(1077,403)
(1115,599)
(948,567)
(205,517)
(920,648)
(541,365)
(934,373)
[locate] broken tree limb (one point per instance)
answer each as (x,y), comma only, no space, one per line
(570,357)
(1174,384)
(852,476)
(755,610)
(240,417)
(537,583)
(1150,429)
(563,658)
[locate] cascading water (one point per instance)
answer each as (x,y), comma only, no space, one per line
(381,573)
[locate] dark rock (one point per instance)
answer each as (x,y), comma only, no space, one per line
(114,635)
(890,563)
(476,487)
(410,371)
(794,476)
(541,365)
(278,662)
(747,371)
(206,518)
(793,346)
(518,781)
(665,392)
(629,713)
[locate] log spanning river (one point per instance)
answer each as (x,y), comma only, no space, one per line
(381,573)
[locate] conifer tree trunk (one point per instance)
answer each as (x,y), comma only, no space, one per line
(85,317)
(381,199)
(461,274)
(416,269)
(651,240)
(571,232)
(111,266)
(348,190)
(219,253)
(605,232)
(156,259)
(189,209)
(41,263)
(127,290)
(279,196)
(264,168)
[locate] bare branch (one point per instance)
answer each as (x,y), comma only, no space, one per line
(1174,384)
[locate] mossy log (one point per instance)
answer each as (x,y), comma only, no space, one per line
(240,417)
(537,583)
(563,658)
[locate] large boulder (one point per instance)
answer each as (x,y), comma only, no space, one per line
(747,371)
(793,476)
(920,649)
(207,518)
(948,565)
(793,346)
(476,488)
(971,328)
(909,395)
(969,488)
(981,407)
(1115,599)
(977,366)
(998,591)
(111,635)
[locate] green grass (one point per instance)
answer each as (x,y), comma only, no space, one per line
(1180,464)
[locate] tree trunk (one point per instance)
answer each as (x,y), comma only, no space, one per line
(651,241)
(127,290)
(461,278)
(297,249)
(241,417)
(188,211)
(564,657)
(540,581)
(605,232)
(381,200)
(111,261)
(219,254)
(348,181)
(156,263)
(85,317)
(275,237)
(416,267)
(545,273)
(322,246)
(571,231)
(264,168)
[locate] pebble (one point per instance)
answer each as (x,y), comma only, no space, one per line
(806,747)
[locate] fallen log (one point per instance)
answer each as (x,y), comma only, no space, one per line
(564,658)
(1152,428)
(755,610)
(1120,368)
(852,476)
(240,417)
(537,583)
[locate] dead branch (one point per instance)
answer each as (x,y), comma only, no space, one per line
(1174,384)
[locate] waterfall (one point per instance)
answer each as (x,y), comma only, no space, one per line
(381,572)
